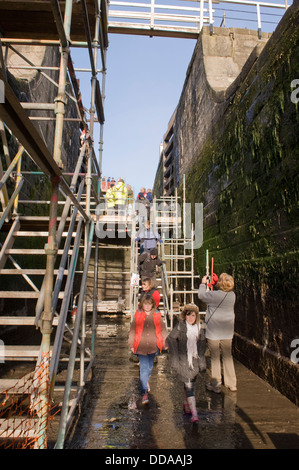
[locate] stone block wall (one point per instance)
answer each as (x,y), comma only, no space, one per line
(237,142)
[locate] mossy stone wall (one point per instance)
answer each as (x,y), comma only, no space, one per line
(246,174)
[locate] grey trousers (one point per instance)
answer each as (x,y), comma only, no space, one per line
(217,348)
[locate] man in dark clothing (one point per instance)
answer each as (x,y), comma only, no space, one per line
(147,263)
(149,195)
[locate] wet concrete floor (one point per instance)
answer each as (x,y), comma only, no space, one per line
(112,417)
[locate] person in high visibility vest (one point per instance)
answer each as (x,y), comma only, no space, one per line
(120,192)
(110,201)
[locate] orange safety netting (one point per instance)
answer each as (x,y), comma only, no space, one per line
(25,411)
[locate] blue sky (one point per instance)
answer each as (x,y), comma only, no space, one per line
(145,77)
(144,81)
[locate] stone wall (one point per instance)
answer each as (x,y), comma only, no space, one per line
(30,85)
(236,139)
(113,271)
(35,86)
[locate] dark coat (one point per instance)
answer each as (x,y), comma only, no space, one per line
(177,343)
(147,265)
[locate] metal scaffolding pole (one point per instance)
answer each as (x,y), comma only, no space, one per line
(46,326)
(60,100)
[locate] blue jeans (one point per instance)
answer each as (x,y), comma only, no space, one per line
(146,365)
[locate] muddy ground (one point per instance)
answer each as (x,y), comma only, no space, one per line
(112,417)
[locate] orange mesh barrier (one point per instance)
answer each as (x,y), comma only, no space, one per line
(25,411)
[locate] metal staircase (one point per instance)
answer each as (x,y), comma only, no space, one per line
(46,225)
(176,280)
(24,246)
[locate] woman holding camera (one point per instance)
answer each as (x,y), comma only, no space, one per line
(220,319)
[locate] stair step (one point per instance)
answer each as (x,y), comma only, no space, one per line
(20,353)
(24,233)
(27,294)
(18,428)
(31,251)
(18,386)
(29,272)
(28,320)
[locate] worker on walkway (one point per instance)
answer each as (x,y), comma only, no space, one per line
(142,193)
(120,192)
(110,201)
(220,319)
(147,338)
(148,237)
(187,355)
(142,206)
(149,195)
(103,184)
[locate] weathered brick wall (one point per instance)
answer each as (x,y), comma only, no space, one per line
(239,149)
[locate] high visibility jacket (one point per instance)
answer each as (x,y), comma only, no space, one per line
(140,318)
(110,198)
(120,192)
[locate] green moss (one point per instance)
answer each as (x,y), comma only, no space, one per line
(254,159)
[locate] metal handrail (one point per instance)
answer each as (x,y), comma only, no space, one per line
(133,267)
(165,288)
(194,17)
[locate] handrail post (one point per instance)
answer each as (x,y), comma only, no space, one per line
(211,19)
(201,15)
(64,411)
(18,179)
(46,326)
(60,100)
(259,21)
(152,23)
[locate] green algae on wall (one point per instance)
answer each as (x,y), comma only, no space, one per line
(247,176)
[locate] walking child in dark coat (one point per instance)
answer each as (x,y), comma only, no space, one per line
(147,263)
(187,354)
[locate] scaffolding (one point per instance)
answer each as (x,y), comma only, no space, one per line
(60,214)
(178,249)
(177,278)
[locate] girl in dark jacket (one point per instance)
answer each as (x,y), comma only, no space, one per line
(187,354)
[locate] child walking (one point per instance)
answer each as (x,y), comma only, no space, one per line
(187,354)
(146,339)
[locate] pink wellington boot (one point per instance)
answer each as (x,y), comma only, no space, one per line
(192,406)
(186,407)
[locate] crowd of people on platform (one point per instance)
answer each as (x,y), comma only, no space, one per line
(120,197)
